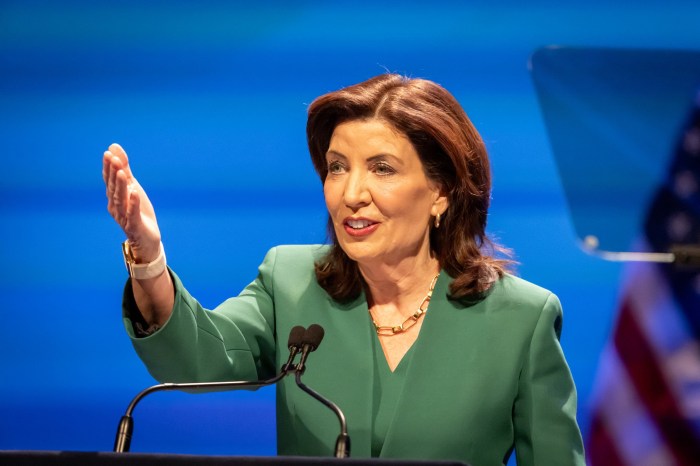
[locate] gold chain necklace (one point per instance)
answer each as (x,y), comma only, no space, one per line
(388,330)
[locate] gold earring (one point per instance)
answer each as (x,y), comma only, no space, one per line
(437,221)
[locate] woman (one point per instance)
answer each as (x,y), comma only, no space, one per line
(432,349)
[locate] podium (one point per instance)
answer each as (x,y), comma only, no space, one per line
(76,458)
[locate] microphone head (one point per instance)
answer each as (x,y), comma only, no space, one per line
(313,336)
(296,337)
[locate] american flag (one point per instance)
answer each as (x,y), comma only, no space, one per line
(647,402)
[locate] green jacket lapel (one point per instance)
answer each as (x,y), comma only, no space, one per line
(350,381)
(414,401)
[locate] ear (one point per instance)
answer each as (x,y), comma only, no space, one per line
(440,204)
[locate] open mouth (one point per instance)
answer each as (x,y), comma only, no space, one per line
(360,226)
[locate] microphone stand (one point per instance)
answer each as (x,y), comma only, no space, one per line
(307,342)
(312,338)
(126,424)
(342,444)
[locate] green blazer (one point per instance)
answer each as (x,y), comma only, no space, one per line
(484,377)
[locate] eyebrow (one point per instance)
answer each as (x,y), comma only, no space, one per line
(337,154)
(374,158)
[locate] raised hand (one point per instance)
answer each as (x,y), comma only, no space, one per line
(129,205)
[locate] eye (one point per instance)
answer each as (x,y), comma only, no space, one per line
(383,169)
(335,167)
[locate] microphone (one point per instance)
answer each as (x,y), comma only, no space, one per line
(295,343)
(312,338)
(310,341)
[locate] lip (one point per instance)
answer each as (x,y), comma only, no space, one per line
(359,232)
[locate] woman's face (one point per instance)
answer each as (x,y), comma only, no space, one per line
(378,196)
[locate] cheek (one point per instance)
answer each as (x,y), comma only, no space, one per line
(330,195)
(407,202)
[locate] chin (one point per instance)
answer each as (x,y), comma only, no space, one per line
(359,252)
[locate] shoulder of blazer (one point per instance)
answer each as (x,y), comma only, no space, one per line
(514,290)
(291,268)
(526,302)
(294,259)
(299,254)
(513,299)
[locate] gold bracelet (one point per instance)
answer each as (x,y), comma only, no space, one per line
(143,271)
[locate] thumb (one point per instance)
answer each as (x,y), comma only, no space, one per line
(145,242)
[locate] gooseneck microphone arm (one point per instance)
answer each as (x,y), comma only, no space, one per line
(312,338)
(126,424)
(342,443)
(124,432)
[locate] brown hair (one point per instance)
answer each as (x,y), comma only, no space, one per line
(453,155)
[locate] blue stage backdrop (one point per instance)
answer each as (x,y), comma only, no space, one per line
(209,100)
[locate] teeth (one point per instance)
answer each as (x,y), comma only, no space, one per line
(358,224)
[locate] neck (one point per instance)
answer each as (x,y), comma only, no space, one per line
(401,283)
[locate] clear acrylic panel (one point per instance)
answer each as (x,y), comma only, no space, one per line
(614,118)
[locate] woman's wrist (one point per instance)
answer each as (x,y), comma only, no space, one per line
(143,271)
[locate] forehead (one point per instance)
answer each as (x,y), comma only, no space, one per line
(370,137)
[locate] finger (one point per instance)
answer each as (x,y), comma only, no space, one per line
(133,213)
(110,162)
(114,167)
(118,152)
(110,173)
(105,165)
(121,193)
(111,179)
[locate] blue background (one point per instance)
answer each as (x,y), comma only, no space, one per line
(209,100)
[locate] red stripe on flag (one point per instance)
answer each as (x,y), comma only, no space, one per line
(638,357)
(601,449)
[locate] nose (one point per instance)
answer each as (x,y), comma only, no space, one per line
(356,192)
